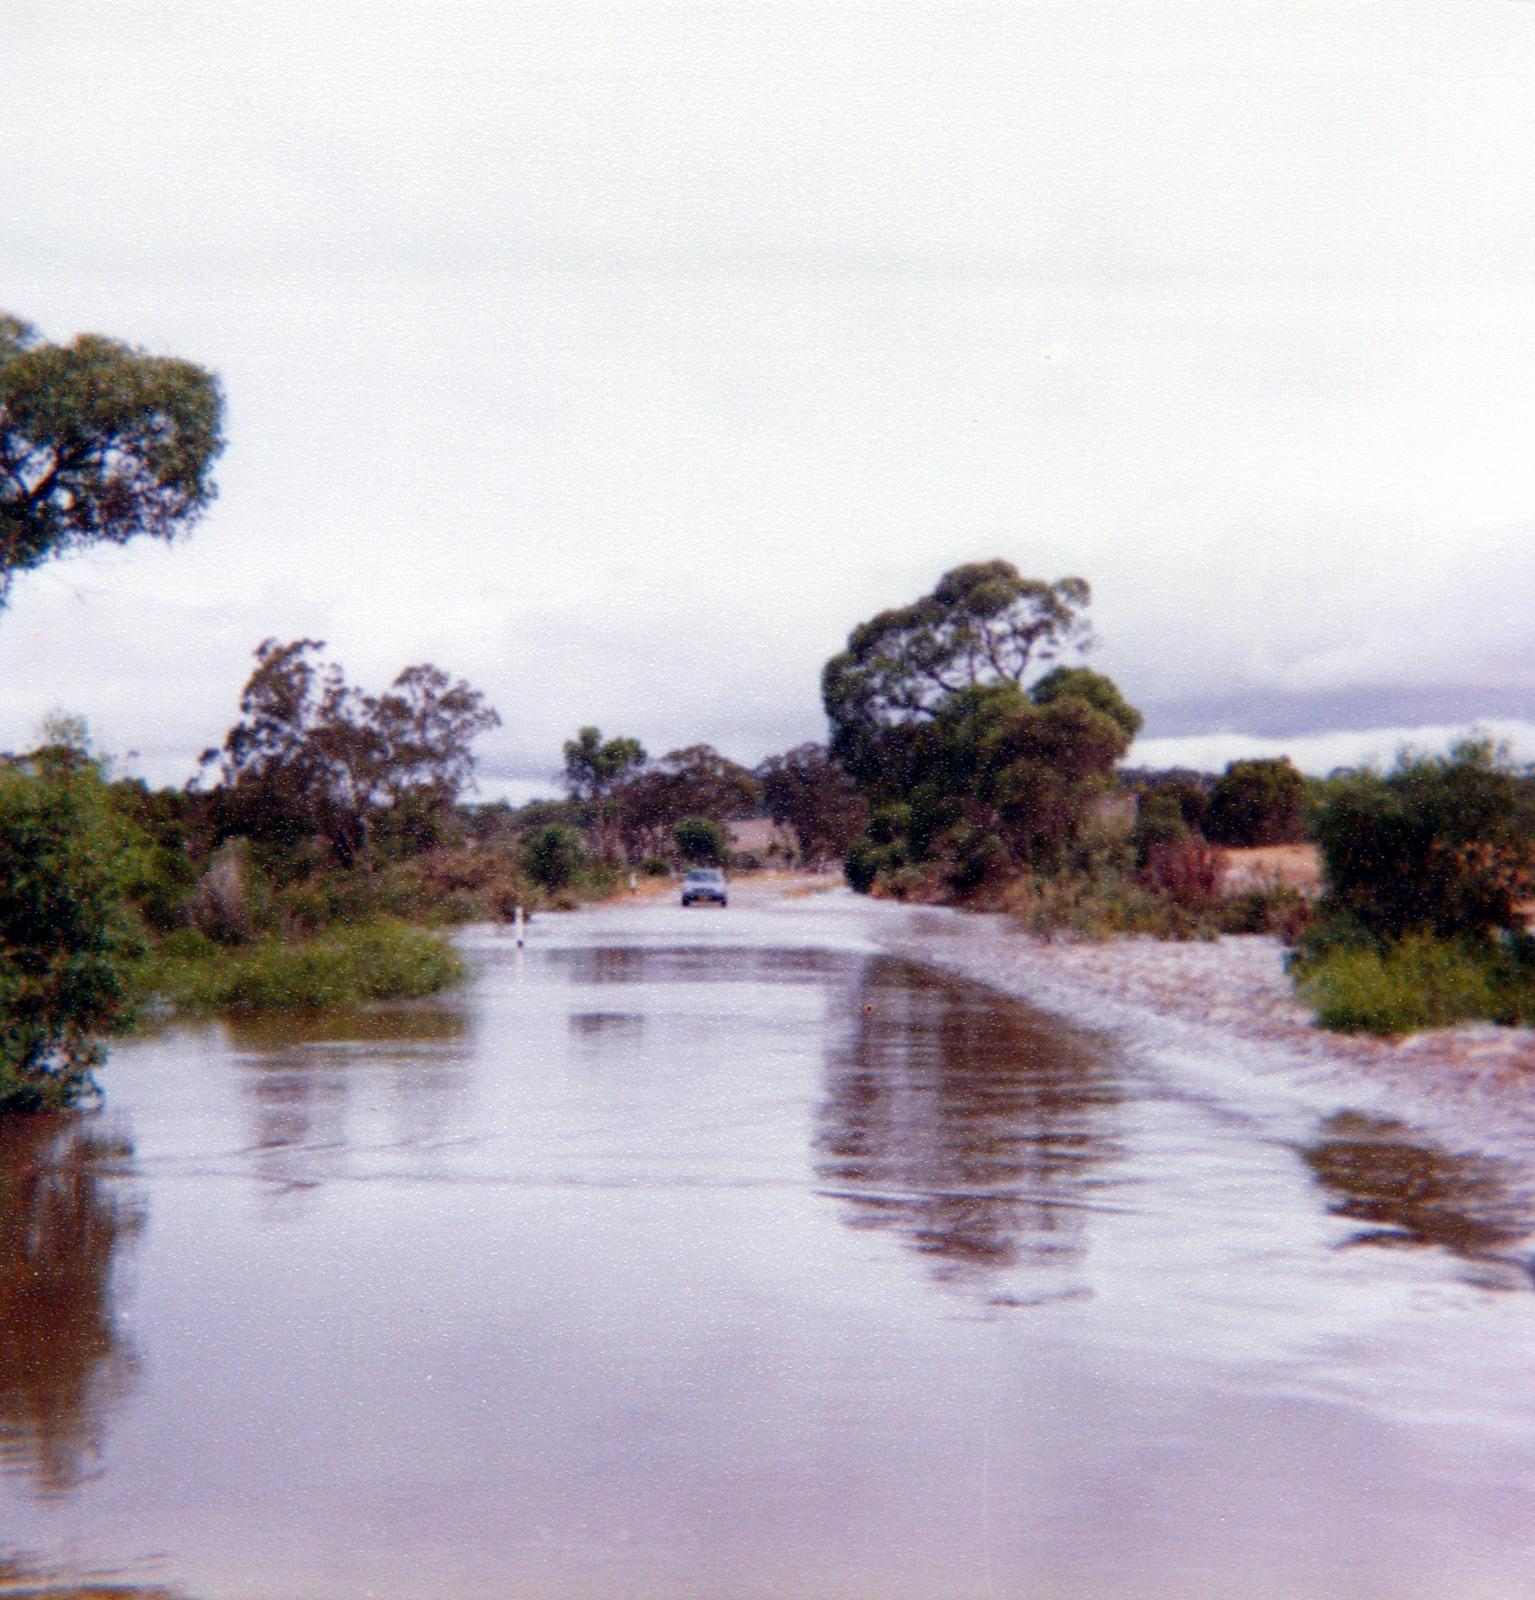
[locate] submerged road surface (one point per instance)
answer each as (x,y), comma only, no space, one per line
(700,1255)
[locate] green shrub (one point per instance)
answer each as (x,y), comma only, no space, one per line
(67,941)
(553,856)
(381,960)
(1440,845)
(1277,909)
(1256,803)
(1420,982)
(1158,821)
(1098,907)
(701,841)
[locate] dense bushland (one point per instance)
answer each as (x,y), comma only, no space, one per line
(1430,869)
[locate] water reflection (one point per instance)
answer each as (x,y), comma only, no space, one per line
(322,1086)
(63,1364)
(690,964)
(24,1578)
(976,1129)
(1416,1194)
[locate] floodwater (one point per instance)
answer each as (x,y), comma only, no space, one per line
(723,1256)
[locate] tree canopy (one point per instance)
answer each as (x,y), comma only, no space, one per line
(974,767)
(99,443)
(805,791)
(312,754)
(982,623)
(1256,802)
(595,769)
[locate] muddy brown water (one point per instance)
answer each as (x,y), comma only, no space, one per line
(721,1255)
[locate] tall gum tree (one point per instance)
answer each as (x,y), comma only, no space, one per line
(100,443)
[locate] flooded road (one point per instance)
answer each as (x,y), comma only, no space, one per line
(726,1256)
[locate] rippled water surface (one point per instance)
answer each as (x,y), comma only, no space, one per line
(719,1255)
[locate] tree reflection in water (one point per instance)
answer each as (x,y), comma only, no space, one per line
(976,1129)
(63,1364)
(22,1578)
(1417,1194)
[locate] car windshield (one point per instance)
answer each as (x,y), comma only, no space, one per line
(706,875)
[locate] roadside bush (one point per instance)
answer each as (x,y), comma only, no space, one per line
(1158,823)
(701,841)
(867,860)
(1256,803)
(1440,845)
(67,940)
(553,856)
(1095,908)
(1420,982)
(1187,871)
(1278,909)
(376,961)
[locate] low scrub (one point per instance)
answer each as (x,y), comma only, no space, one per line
(381,960)
(1107,904)
(1418,982)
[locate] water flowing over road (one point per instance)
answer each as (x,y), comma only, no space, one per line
(701,1255)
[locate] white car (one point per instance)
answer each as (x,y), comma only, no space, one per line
(704,883)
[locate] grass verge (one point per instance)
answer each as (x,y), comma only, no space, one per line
(381,960)
(1420,982)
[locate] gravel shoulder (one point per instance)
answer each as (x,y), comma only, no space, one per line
(1472,1085)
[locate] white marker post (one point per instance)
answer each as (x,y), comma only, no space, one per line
(517,921)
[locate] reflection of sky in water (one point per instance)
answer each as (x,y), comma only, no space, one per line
(976,1130)
(1416,1194)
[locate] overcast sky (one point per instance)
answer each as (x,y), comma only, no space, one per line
(620,358)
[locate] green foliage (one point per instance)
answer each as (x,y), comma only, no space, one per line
(863,864)
(553,856)
(382,960)
(66,939)
(982,624)
(1002,780)
(694,782)
(1093,906)
(1278,909)
(1420,982)
(1256,803)
(314,757)
(1440,845)
(99,443)
(1158,822)
(1101,693)
(702,842)
(158,876)
(805,791)
(595,769)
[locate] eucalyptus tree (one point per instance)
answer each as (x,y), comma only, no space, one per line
(313,755)
(595,769)
(100,443)
(975,765)
(983,623)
